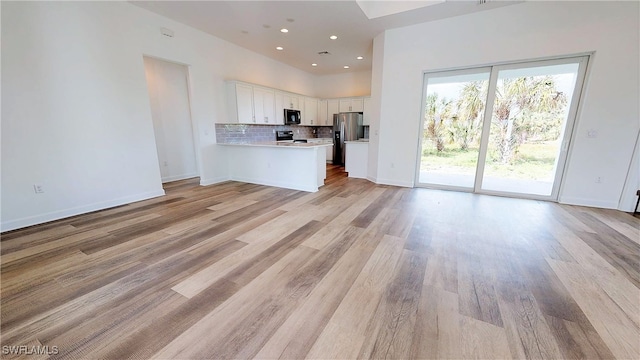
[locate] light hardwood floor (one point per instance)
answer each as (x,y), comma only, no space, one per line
(356,270)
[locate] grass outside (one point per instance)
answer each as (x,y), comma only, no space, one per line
(534,161)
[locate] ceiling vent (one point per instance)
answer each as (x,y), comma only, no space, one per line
(482,2)
(324,53)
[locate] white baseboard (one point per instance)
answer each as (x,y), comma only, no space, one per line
(588,202)
(217,180)
(280,184)
(178,177)
(61,214)
(408,184)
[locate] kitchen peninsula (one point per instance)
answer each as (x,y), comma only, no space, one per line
(298,166)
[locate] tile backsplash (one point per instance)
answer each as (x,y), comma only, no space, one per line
(240,133)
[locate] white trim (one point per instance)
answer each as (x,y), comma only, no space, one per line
(216,180)
(179,177)
(61,214)
(280,184)
(373,179)
(400,183)
(588,202)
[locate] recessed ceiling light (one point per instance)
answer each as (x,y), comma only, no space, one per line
(279,48)
(314,64)
(333,37)
(346,66)
(284,30)
(359,58)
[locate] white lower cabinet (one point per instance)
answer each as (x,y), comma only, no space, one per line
(356,158)
(329,149)
(330,154)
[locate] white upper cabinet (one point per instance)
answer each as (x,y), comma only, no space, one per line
(254,104)
(345,105)
(323,119)
(351,105)
(357,104)
(291,101)
(264,106)
(366,112)
(248,104)
(333,107)
(279,107)
(310,112)
(240,103)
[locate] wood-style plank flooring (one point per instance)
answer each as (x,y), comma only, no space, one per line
(356,270)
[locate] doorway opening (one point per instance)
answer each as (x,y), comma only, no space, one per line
(168,86)
(502,130)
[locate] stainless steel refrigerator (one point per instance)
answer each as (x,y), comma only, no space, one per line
(346,127)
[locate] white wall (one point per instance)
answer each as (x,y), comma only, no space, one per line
(343,85)
(525,31)
(76,115)
(376,102)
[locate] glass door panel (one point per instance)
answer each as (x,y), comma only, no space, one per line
(528,121)
(454,106)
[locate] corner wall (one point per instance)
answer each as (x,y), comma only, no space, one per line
(531,30)
(76,115)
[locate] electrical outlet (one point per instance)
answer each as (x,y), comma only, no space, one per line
(598,180)
(39,189)
(393,165)
(165,163)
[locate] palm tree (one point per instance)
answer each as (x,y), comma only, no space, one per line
(519,101)
(469,112)
(437,113)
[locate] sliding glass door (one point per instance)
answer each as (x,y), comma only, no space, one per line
(451,129)
(500,130)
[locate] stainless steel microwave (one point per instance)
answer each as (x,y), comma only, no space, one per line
(291,117)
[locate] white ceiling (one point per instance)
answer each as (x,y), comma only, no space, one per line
(256,25)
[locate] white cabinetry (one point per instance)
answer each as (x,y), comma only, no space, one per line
(322,113)
(291,101)
(240,103)
(366,111)
(264,106)
(328,149)
(333,107)
(357,155)
(351,105)
(279,107)
(248,104)
(310,112)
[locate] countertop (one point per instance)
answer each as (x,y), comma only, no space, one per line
(360,141)
(280,144)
